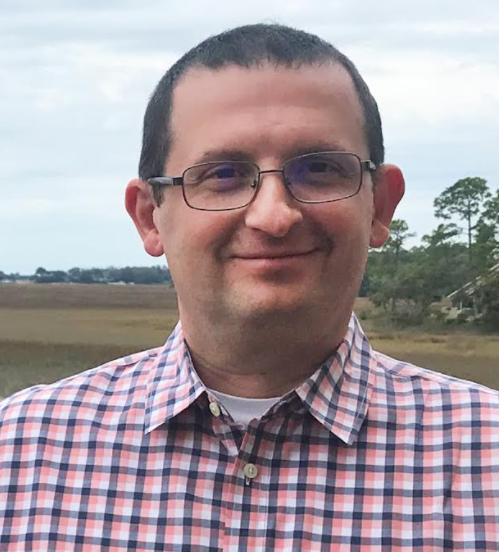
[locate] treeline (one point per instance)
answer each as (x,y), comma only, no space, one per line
(457,257)
(126,275)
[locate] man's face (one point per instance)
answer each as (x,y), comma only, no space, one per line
(275,256)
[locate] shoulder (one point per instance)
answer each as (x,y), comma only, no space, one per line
(100,388)
(434,399)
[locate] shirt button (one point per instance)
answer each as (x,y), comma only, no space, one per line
(250,471)
(215,409)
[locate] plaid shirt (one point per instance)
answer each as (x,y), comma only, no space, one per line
(367,454)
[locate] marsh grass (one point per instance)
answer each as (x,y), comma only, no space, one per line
(26,363)
(469,357)
(48,332)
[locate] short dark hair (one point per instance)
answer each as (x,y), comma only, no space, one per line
(248,46)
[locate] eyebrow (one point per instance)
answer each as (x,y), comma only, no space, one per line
(315,147)
(232,154)
(224,155)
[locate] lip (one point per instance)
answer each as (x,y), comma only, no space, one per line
(273,262)
(273,255)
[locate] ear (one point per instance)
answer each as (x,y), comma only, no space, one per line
(388,191)
(140,206)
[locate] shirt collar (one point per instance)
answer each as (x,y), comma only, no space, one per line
(172,383)
(337,394)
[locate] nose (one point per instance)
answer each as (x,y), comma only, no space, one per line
(273,211)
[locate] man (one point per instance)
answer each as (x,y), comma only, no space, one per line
(266,422)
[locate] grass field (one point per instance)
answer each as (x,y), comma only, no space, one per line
(48,332)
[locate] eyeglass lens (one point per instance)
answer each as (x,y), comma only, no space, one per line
(231,184)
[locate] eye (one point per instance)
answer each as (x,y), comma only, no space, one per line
(324,166)
(217,172)
(222,172)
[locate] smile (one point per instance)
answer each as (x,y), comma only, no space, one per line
(273,255)
(275,261)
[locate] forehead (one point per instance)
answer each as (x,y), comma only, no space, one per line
(264,110)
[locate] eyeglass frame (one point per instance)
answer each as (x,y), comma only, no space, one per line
(366,165)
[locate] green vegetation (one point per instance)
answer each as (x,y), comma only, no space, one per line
(407,283)
(126,275)
(464,199)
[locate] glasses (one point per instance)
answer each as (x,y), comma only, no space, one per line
(320,177)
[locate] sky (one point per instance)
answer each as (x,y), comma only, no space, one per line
(75,78)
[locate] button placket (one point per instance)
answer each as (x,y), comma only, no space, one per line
(215,409)
(250,472)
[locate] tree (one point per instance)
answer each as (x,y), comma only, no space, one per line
(399,234)
(491,211)
(486,247)
(409,281)
(387,281)
(74,274)
(488,298)
(443,236)
(383,267)
(465,199)
(409,291)
(444,261)
(43,276)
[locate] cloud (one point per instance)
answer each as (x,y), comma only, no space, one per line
(76,77)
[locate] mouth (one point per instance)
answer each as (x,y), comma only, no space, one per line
(273,255)
(272,262)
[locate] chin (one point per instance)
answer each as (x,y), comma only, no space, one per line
(258,304)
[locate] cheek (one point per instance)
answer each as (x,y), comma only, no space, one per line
(350,249)
(193,237)
(168,222)
(360,220)
(348,224)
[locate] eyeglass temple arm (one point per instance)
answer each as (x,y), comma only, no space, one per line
(368,165)
(165,181)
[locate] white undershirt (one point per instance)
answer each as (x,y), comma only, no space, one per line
(242,409)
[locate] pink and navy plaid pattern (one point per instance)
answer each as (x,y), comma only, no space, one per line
(369,454)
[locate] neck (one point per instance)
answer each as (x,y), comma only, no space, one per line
(259,359)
